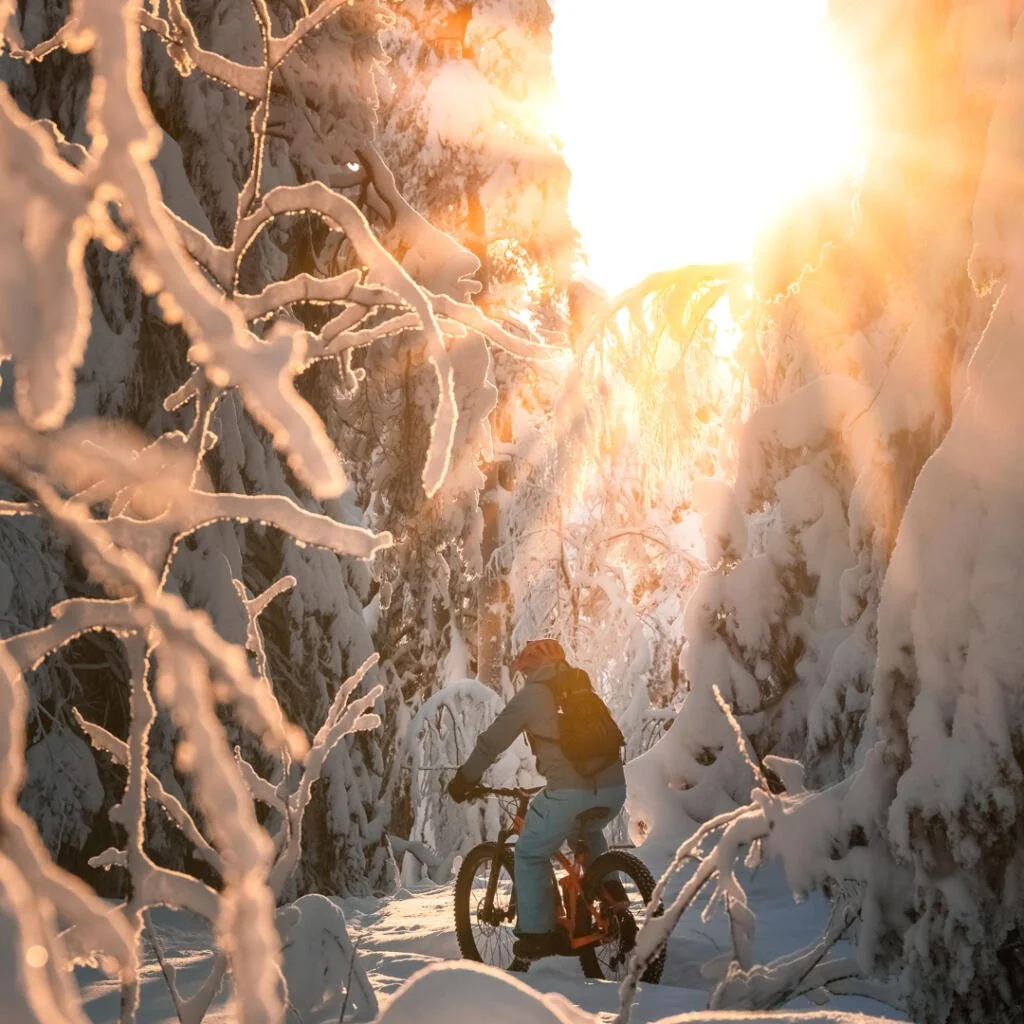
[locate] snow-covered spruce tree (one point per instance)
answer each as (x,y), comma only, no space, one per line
(129,503)
(464,123)
(863,329)
(459,123)
(321,635)
(422,609)
(890,445)
(946,701)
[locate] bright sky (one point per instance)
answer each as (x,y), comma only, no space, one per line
(691,124)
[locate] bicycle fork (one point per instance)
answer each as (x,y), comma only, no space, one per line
(492,888)
(489,914)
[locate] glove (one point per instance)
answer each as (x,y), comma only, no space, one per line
(460,787)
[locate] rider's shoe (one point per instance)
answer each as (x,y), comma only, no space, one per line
(535,945)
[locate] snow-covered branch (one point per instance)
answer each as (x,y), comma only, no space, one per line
(344,717)
(766,987)
(337,341)
(692,291)
(278,47)
(121,572)
(471,316)
(18,508)
(192,510)
(300,288)
(72,619)
(103,740)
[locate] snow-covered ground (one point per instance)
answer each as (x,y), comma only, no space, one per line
(400,936)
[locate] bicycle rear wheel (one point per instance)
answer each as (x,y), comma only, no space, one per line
(486,933)
(611,959)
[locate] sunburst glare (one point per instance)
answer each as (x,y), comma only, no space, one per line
(690,126)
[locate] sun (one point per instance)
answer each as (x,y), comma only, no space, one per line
(689,126)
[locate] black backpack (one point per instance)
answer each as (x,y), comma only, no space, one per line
(587,733)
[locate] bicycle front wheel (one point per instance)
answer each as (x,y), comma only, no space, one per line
(486,932)
(611,958)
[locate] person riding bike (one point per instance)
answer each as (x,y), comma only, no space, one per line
(575,805)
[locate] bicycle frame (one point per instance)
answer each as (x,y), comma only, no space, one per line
(571,882)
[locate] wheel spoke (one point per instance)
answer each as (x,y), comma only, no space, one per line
(493,937)
(613,955)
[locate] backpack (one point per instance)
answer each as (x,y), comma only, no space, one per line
(587,733)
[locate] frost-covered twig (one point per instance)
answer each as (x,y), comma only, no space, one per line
(742,744)
(766,987)
(166,969)
(472,316)
(254,607)
(741,827)
(132,811)
(176,811)
(344,717)
(300,288)
(155,539)
(245,917)
(336,341)
(220,341)
(183,45)
(18,508)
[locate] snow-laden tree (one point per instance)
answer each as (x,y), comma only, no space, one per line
(440,735)
(321,635)
(129,504)
(861,330)
(466,123)
(461,126)
(887,447)
(946,701)
(602,540)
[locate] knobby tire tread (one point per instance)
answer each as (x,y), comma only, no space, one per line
(463,892)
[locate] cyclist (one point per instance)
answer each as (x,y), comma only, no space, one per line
(574,806)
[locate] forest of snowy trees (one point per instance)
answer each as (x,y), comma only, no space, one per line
(307,424)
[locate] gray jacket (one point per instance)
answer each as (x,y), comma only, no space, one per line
(534,710)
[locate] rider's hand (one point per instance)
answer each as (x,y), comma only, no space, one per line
(459,788)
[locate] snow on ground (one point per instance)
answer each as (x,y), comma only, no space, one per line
(399,936)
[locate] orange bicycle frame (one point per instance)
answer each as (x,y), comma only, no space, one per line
(571,884)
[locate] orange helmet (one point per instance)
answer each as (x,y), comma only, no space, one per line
(536,653)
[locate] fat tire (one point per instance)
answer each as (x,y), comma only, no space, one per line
(464,913)
(636,869)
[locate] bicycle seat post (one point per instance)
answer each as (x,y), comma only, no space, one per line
(524,803)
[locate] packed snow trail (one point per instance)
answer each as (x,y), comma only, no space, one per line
(397,937)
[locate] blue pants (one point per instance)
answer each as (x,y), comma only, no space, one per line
(551,820)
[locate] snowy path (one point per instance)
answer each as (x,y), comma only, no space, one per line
(399,936)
